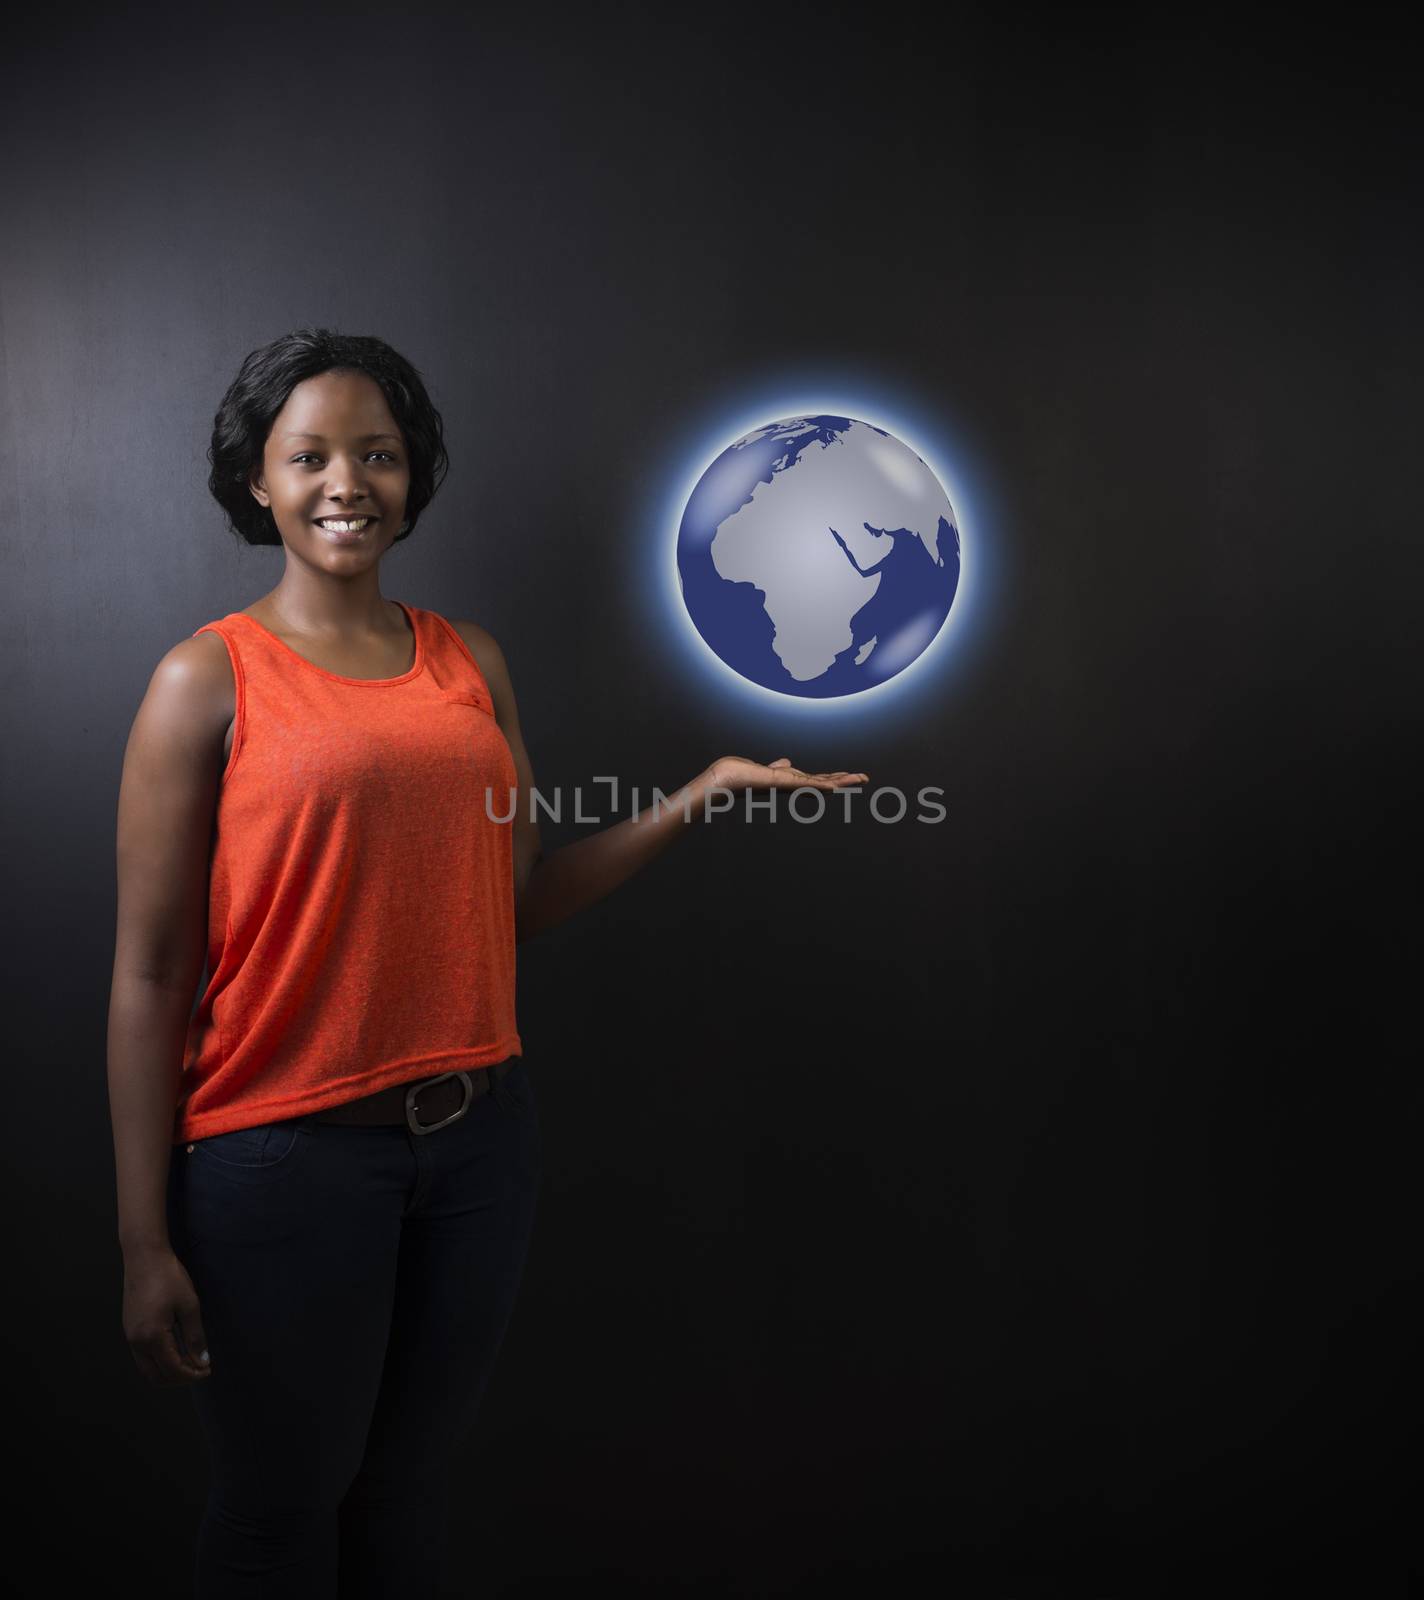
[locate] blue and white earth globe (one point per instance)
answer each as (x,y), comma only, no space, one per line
(818,556)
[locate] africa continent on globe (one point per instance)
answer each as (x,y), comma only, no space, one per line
(818,556)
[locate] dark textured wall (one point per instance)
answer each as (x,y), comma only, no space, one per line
(1022,1202)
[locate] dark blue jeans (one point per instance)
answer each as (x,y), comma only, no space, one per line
(355,1285)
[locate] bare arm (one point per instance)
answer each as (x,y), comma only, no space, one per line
(550,890)
(582,873)
(167,799)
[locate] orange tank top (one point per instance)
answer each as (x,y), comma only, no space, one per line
(361,887)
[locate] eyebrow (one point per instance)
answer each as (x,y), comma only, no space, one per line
(365,439)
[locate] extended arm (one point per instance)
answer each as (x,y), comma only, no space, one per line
(549,889)
(585,871)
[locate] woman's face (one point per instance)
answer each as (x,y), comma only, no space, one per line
(335,452)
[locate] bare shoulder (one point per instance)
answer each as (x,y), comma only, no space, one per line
(178,733)
(200,652)
(471,632)
(193,680)
(168,792)
(484,647)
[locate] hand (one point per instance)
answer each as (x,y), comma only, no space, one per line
(161,1319)
(736,773)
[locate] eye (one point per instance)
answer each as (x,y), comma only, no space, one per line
(308,455)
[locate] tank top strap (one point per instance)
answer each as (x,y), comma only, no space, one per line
(450,663)
(230,636)
(244,643)
(220,627)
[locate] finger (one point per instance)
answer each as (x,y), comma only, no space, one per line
(175,1365)
(781,761)
(192,1341)
(163,1367)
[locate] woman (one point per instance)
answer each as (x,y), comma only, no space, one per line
(327,1172)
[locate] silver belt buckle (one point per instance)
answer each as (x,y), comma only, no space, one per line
(430,1127)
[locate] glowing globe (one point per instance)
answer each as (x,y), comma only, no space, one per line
(818,556)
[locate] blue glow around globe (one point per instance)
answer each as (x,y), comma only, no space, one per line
(818,556)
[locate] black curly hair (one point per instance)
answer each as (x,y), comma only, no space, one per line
(259,391)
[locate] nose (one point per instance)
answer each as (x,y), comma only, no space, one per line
(346,482)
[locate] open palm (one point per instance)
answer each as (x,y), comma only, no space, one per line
(736,773)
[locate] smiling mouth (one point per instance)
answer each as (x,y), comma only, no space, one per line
(345,525)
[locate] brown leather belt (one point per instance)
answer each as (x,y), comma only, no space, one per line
(422,1105)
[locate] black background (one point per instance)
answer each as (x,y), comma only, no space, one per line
(1025,1203)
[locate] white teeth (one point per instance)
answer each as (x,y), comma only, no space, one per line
(344,527)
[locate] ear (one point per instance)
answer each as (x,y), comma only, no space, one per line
(257,483)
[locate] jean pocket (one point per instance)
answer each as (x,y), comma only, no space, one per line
(262,1149)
